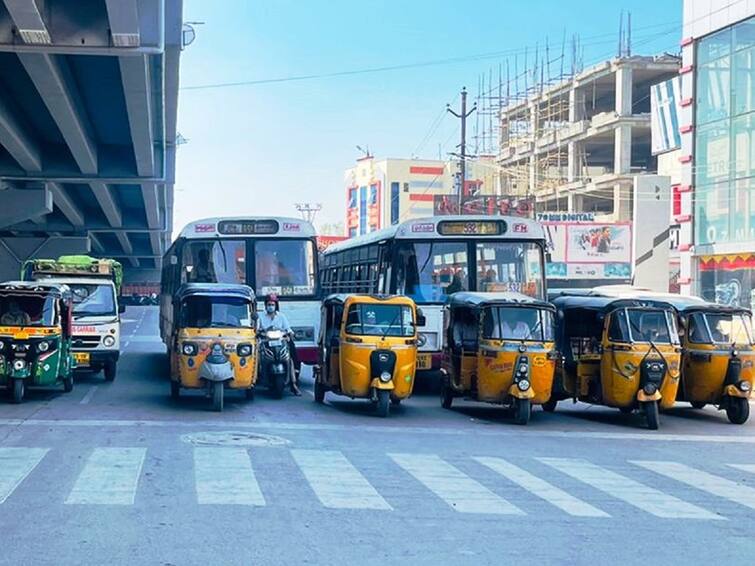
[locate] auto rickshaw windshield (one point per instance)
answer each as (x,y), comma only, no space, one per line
(643,325)
(720,328)
(380,320)
(34,310)
(216,312)
(517,323)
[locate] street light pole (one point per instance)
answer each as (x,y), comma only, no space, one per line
(463,146)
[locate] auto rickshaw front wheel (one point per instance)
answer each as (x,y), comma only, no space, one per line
(319,392)
(175,390)
(383,402)
(697,404)
(217,396)
(446,396)
(738,410)
(17,391)
(522,411)
(249,394)
(550,405)
(651,414)
(68,384)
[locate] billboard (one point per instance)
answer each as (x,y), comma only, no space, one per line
(523,207)
(595,250)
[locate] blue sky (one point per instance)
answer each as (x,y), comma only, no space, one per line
(257,149)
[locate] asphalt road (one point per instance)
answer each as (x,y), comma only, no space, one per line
(117,473)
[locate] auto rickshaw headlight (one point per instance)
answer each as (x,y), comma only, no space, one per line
(523,384)
(385,377)
(650,389)
(18,365)
(522,368)
(244,350)
(744,386)
(189,349)
(43,346)
(734,353)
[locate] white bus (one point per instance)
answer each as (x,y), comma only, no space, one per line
(270,254)
(427,259)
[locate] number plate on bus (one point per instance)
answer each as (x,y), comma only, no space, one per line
(424,361)
(82,358)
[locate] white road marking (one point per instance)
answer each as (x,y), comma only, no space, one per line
(15,465)
(710,483)
(633,492)
(498,432)
(336,482)
(224,476)
(542,488)
(453,486)
(744,467)
(110,477)
(88,396)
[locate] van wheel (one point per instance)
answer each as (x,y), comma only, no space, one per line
(522,411)
(738,410)
(697,404)
(68,384)
(550,405)
(651,414)
(383,402)
(446,396)
(110,371)
(175,390)
(319,392)
(217,397)
(17,393)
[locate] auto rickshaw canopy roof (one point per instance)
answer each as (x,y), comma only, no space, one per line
(477,300)
(215,290)
(37,289)
(605,303)
(341,298)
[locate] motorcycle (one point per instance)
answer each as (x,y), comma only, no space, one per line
(276,367)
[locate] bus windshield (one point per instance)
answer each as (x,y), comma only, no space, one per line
(510,266)
(285,267)
(216,312)
(380,320)
(517,323)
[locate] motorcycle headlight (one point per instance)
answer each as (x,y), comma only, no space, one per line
(18,365)
(189,349)
(43,346)
(744,386)
(244,350)
(523,384)
(108,341)
(385,377)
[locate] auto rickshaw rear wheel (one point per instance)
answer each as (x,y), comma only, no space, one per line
(550,405)
(111,368)
(522,411)
(738,410)
(395,401)
(319,392)
(446,396)
(217,396)
(651,414)
(697,404)
(383,402)
(68,384)
(17,391)
(175,390)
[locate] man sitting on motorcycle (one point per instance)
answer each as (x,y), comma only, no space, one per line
(273,319)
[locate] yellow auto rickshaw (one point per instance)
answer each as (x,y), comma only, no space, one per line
(499,348)
(617,351)
(368,348)
(717,356)
(214,343)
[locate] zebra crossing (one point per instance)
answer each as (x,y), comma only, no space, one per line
(113,476)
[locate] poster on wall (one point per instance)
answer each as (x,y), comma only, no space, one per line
(603,243)
(728,279)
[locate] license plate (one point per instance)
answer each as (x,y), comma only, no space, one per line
(82,358)
(424,361)
(275,342)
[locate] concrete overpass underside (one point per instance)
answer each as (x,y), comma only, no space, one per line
(88,104)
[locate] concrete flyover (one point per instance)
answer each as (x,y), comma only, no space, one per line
(88,103)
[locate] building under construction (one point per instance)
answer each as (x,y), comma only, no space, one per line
(577,143)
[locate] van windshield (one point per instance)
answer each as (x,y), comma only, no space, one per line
(93,299)
(517,323)
(380,320)
(642,325)
(216,312)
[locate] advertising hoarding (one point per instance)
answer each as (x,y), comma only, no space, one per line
(594,250)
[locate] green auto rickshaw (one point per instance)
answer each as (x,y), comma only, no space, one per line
(35,336)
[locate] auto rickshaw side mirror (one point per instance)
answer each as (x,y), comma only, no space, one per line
(421,319)
(255,317)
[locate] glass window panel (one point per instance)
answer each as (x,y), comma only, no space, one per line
(219,261)
(712,153)
(285,267)
(744,35)
(743,134)
(740,217)
(714,46)
(713,91)
(743,96)
(712,214)
(508,266)
(429,272)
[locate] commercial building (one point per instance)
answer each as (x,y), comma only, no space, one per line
(717,126)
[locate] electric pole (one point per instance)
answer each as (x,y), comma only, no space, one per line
(308,210)
(463,146)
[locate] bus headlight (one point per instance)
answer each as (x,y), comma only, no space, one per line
(108,341)
(304,333)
